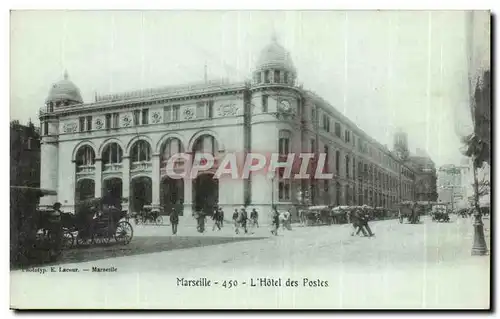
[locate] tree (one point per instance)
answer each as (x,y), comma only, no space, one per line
(478,148)
(478,143)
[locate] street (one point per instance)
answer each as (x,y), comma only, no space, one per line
(426,265)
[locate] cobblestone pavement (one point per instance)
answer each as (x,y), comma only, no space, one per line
(427,265)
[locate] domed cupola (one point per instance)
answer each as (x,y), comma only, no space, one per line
(274,66)
(64,93)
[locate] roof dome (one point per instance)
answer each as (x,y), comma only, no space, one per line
(64,90)
(274,55)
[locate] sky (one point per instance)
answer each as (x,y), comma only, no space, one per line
(382,69)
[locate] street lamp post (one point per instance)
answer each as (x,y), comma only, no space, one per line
(479,245)
(272,190)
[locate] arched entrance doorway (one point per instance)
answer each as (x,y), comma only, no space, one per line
(140,193)
(205,192)
(112,188)
(172,194)
(85,189)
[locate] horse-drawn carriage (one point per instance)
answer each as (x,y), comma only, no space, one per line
(149,215)
(410,211)
(35,236)
(316,215)
(96,222)
(440,214)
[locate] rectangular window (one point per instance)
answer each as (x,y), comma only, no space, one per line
(210,106)
(82,124)
(116,120)
(45,128)
(108,121)
(277,76)
(347,166)
(313,146)
(267,77)
(299,107)
(353,168)
(145,116)
(313,114)
(327,159)
(284,146)
(264,103)
(89,123)
(285,77)
(338,130)
(326,123)
(325,185)
(176,110)
(200,110)
(137,117)
(337,162)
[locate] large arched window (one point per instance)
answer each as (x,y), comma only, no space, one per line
(205,144)
(85,156)
(171,147)
(141,152)
(112,154)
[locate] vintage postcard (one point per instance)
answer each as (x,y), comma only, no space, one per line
(250,160)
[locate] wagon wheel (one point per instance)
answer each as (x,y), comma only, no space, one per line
(101,238)
(68,240)
(82,241)
(124,232)
(159,220)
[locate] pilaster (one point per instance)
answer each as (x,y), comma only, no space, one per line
(155,180)
(98,178)
(126,181)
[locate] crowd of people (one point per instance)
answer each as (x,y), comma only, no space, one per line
(243,222)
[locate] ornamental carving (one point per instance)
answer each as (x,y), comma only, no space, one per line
(228,110)
(126,120)
(70,127)
(188,113)
(156,118)
(99,124)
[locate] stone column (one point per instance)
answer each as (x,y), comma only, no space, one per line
(126,181)
(155,180)
(98,178)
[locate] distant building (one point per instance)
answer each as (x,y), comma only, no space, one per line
(426,177)
(24,155)
(452,185)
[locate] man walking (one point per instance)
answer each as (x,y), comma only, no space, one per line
(243,217)
(174,221)
(254,217)
(275,222)
(235,221)
(216,218)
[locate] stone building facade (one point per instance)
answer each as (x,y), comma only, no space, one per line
(120,143)
(24,155)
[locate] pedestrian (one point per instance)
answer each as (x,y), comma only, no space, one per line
(221,217)
(275,222)
(216,219)
(288,220)
(364,218)
(254,216)
(243,218)
(235,221)
(174,221)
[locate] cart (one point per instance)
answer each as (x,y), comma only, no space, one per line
(97,223)
(149,215)
(35,237)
